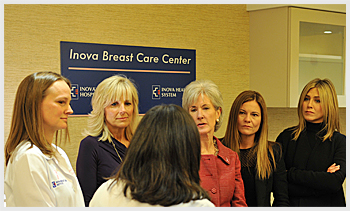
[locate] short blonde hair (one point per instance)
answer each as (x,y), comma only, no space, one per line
(203,87)
(329,104)
(108,91)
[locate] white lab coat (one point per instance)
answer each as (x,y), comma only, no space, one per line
(33,179)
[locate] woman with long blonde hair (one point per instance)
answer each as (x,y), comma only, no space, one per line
(314,151)
(111,126)
(262,167)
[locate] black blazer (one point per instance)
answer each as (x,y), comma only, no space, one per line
(309,183)
(276,183)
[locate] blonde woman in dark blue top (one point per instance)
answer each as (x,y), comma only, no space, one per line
(110,128)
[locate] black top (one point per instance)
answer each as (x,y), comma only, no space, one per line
(312,132)
(248,163)
(96,161)
(307,160)
(276,183)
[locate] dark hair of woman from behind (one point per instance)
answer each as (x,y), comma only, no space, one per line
(162,163)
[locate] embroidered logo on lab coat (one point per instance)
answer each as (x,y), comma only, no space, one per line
(58,183)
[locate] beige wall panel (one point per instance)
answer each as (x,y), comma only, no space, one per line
(218,33)
(268,42)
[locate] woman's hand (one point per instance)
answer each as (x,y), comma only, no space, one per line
(333,168)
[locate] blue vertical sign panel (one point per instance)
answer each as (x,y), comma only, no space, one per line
(160,74)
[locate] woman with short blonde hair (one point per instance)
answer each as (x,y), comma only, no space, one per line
(203,101)
(208,88)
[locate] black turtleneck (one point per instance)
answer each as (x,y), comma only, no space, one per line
(312,130)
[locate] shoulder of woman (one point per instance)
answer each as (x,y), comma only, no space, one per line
(89,140)
(221,146)
(107,192)
(26,148)
(338,137)
(288,130)
(99,197)
(28,155)
(276,147)
(286,134)
(226,152)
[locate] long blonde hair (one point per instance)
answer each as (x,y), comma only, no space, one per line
(329,104)
(27,121)
(233,138)
(109,90)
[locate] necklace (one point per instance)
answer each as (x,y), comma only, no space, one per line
(216,147)
(116,151)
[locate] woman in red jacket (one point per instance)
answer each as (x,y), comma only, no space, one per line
(220,168)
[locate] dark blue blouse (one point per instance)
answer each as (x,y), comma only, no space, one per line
(96,161)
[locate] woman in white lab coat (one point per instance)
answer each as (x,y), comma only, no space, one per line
(38,173)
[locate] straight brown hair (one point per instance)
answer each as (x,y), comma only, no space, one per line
(27,121)
(263,147)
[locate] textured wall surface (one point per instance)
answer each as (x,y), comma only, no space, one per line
(218,33)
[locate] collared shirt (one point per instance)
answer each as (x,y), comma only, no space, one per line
(221,177)
(33,179)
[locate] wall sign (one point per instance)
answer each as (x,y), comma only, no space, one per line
(160,74)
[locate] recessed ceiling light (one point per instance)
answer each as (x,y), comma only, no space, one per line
(327,32)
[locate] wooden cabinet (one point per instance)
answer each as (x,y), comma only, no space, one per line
(289,47)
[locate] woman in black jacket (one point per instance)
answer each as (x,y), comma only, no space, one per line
(314,151)
(262,167)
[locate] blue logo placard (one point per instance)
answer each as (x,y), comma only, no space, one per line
(156,92)
(160,74)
